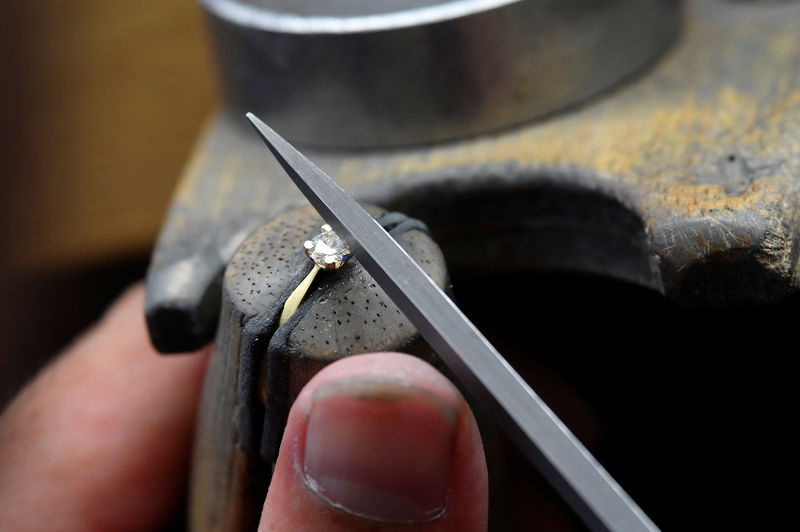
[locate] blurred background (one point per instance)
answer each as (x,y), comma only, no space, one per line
(101,104)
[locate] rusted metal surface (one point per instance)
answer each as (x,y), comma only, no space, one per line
(685,180)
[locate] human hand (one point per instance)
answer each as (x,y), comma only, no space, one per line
(101,440)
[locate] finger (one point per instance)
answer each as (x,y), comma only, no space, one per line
(379,442)
(100,439)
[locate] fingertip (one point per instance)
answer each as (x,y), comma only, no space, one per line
(379,438)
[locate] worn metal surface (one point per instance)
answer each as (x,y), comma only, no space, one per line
(258,368)
(685,181)
(365,73)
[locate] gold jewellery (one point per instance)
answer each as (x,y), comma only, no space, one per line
(328,253)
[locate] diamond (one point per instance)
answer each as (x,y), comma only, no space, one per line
(327,250)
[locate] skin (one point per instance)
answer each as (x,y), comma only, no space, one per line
(100,439)
(291,505)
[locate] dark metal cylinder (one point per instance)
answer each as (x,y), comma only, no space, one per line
(359,73)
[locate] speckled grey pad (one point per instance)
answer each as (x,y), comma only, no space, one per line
(344,313)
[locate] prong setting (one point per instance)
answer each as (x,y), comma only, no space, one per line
(327,250)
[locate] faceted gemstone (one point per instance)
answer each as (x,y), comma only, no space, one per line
(327,250)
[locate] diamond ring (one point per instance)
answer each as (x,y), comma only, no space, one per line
(328,253)
(327,250)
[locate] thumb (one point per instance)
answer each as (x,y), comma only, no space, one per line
(379,442)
